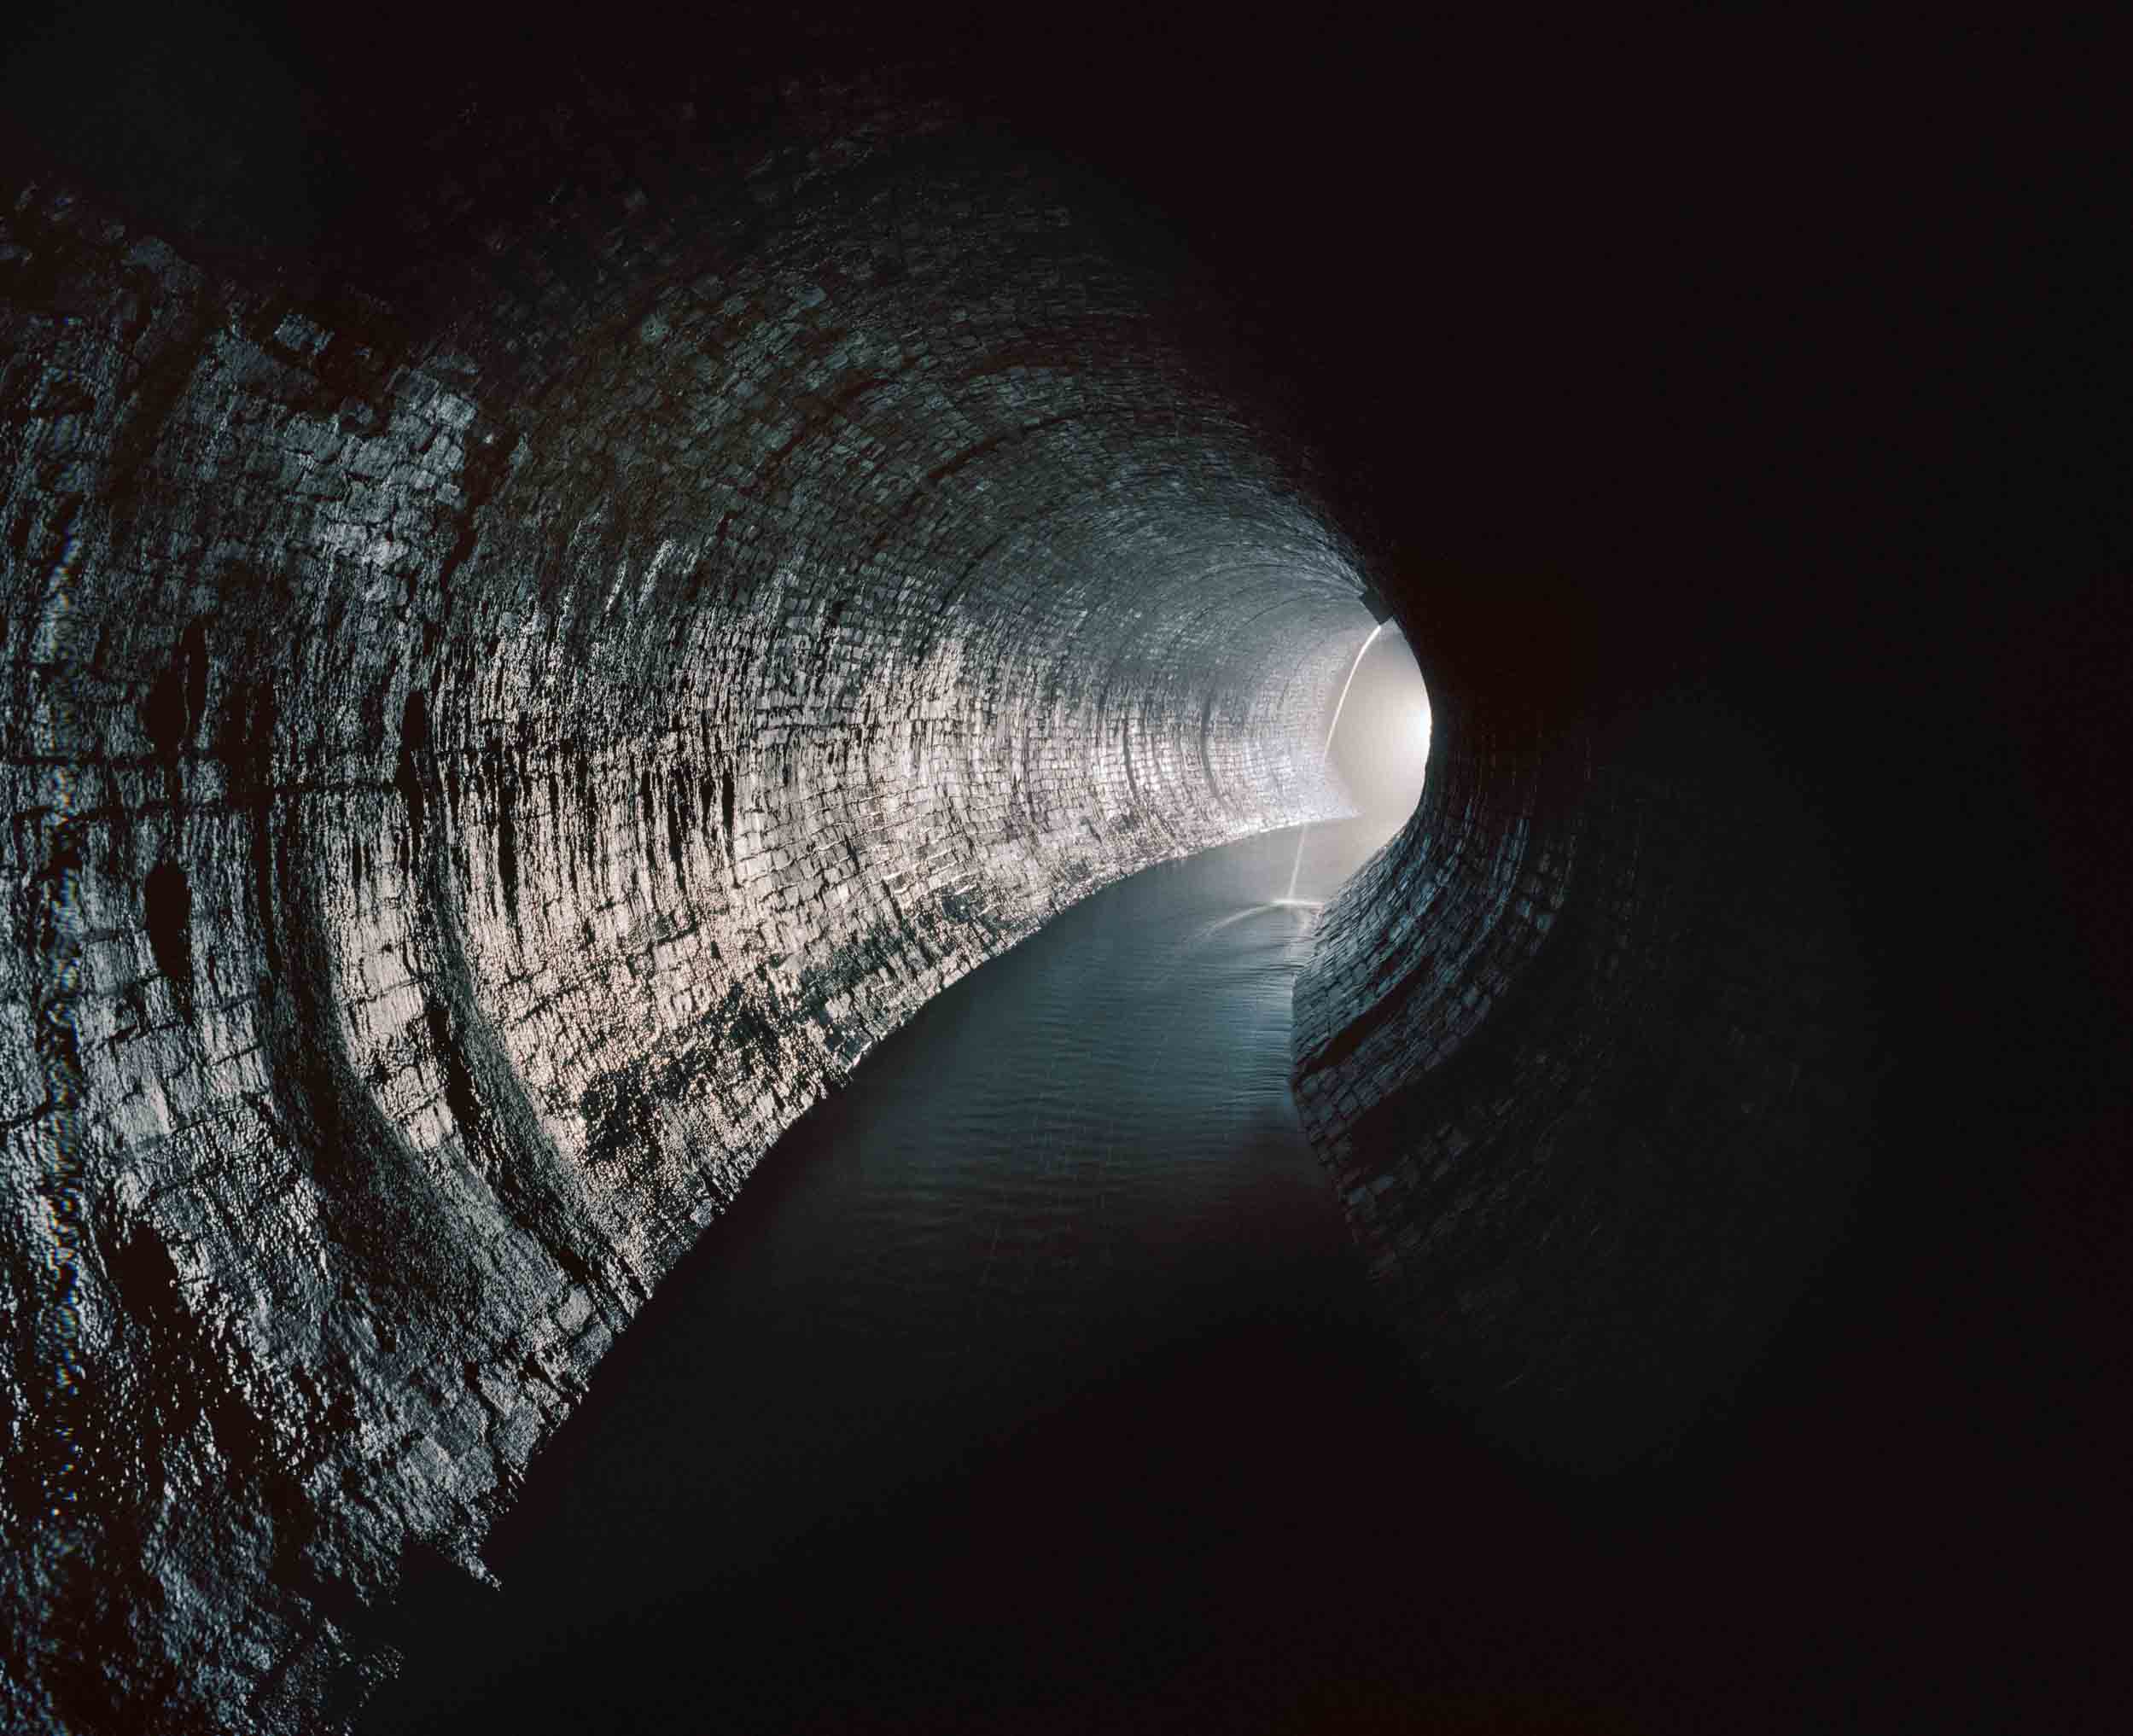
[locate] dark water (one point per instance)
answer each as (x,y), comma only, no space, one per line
(1032,1384)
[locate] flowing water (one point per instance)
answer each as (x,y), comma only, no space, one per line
(1032,1385)
(1080,1163)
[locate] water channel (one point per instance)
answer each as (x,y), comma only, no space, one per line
(1034,1326)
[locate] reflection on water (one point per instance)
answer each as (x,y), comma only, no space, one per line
(1031,1386)
(1083,1156)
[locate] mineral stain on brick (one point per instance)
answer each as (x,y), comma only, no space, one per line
(167,914)
(583,720)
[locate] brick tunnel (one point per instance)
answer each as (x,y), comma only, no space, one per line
(524,662)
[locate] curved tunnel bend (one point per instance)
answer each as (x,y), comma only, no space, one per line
(483,762)
(474,789)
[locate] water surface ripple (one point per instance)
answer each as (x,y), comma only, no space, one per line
(1071,1194)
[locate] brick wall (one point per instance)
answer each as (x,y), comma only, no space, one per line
(1584,1053)
(483,757)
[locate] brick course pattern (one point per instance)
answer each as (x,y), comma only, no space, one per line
(1584,1053)
(481,761)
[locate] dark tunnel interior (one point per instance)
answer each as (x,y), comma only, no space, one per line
(564,579)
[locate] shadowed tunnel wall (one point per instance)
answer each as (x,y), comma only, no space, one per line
(501,715)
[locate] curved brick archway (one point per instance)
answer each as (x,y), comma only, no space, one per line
(495,780)
(522,666)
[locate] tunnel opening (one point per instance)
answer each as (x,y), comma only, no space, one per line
(1379,744)
(1376,749)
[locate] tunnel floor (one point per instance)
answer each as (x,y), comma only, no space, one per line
(1009,1396)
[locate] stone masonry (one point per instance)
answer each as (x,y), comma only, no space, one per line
(556,581)
(478,773)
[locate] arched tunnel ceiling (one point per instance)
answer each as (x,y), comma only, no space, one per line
(550,603)
(539,751)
